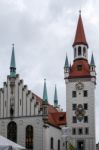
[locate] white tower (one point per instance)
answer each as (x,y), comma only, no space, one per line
(80,82)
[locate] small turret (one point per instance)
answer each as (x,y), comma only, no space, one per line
(66,68)
(13,64)
(92,66)
(45,102)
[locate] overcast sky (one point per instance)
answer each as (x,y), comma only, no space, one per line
(43,31)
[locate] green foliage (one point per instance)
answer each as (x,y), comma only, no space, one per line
(71,147)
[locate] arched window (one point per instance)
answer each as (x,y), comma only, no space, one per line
(58,144)
(84,51)
(79,50)
(74,52)
(12,131)
(52,143)
(29,137)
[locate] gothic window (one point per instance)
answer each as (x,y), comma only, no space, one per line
(52,143)
(58,144)
(12,131)
(79,51)
(85,93)
(74,94)
(29,137)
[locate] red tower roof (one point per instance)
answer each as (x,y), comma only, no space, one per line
(80,69)
(80,34)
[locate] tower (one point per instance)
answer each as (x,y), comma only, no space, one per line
(80,81)
(12,83)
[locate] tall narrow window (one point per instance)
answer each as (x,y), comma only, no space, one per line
(74,119)
(12,131)
(74,106)
(80,131)
(58,144)
(73,131)
(85,93)
(86,131)
(52,143)
(85,106)
(29,137)
(79,51)
(74,52)
(85,119)
(74,94)
(84,51)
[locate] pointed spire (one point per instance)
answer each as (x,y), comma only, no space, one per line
(66,62)
(80,34)
(13,64)
(92,62)
(55,97)
(45,97)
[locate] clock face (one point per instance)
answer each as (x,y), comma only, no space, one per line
(79,86)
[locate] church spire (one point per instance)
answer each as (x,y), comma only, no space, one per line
(66,62)
(13,64)
(45,97)
(55,97)
(92,62)
(80,37)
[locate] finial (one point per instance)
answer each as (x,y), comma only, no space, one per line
(80,12)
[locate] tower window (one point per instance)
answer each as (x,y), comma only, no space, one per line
(85,93)
(74,119)
(84,51)
(85,106)
(73,131)
(74,94)
(74,106)
(86,130)
(79,51)
(85,119)
(80,131)
(79,67)
(74,52)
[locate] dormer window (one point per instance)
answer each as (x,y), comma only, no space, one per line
(79,67)
(79,51)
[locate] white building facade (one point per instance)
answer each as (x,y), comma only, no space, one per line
(27,119)
(80,79)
